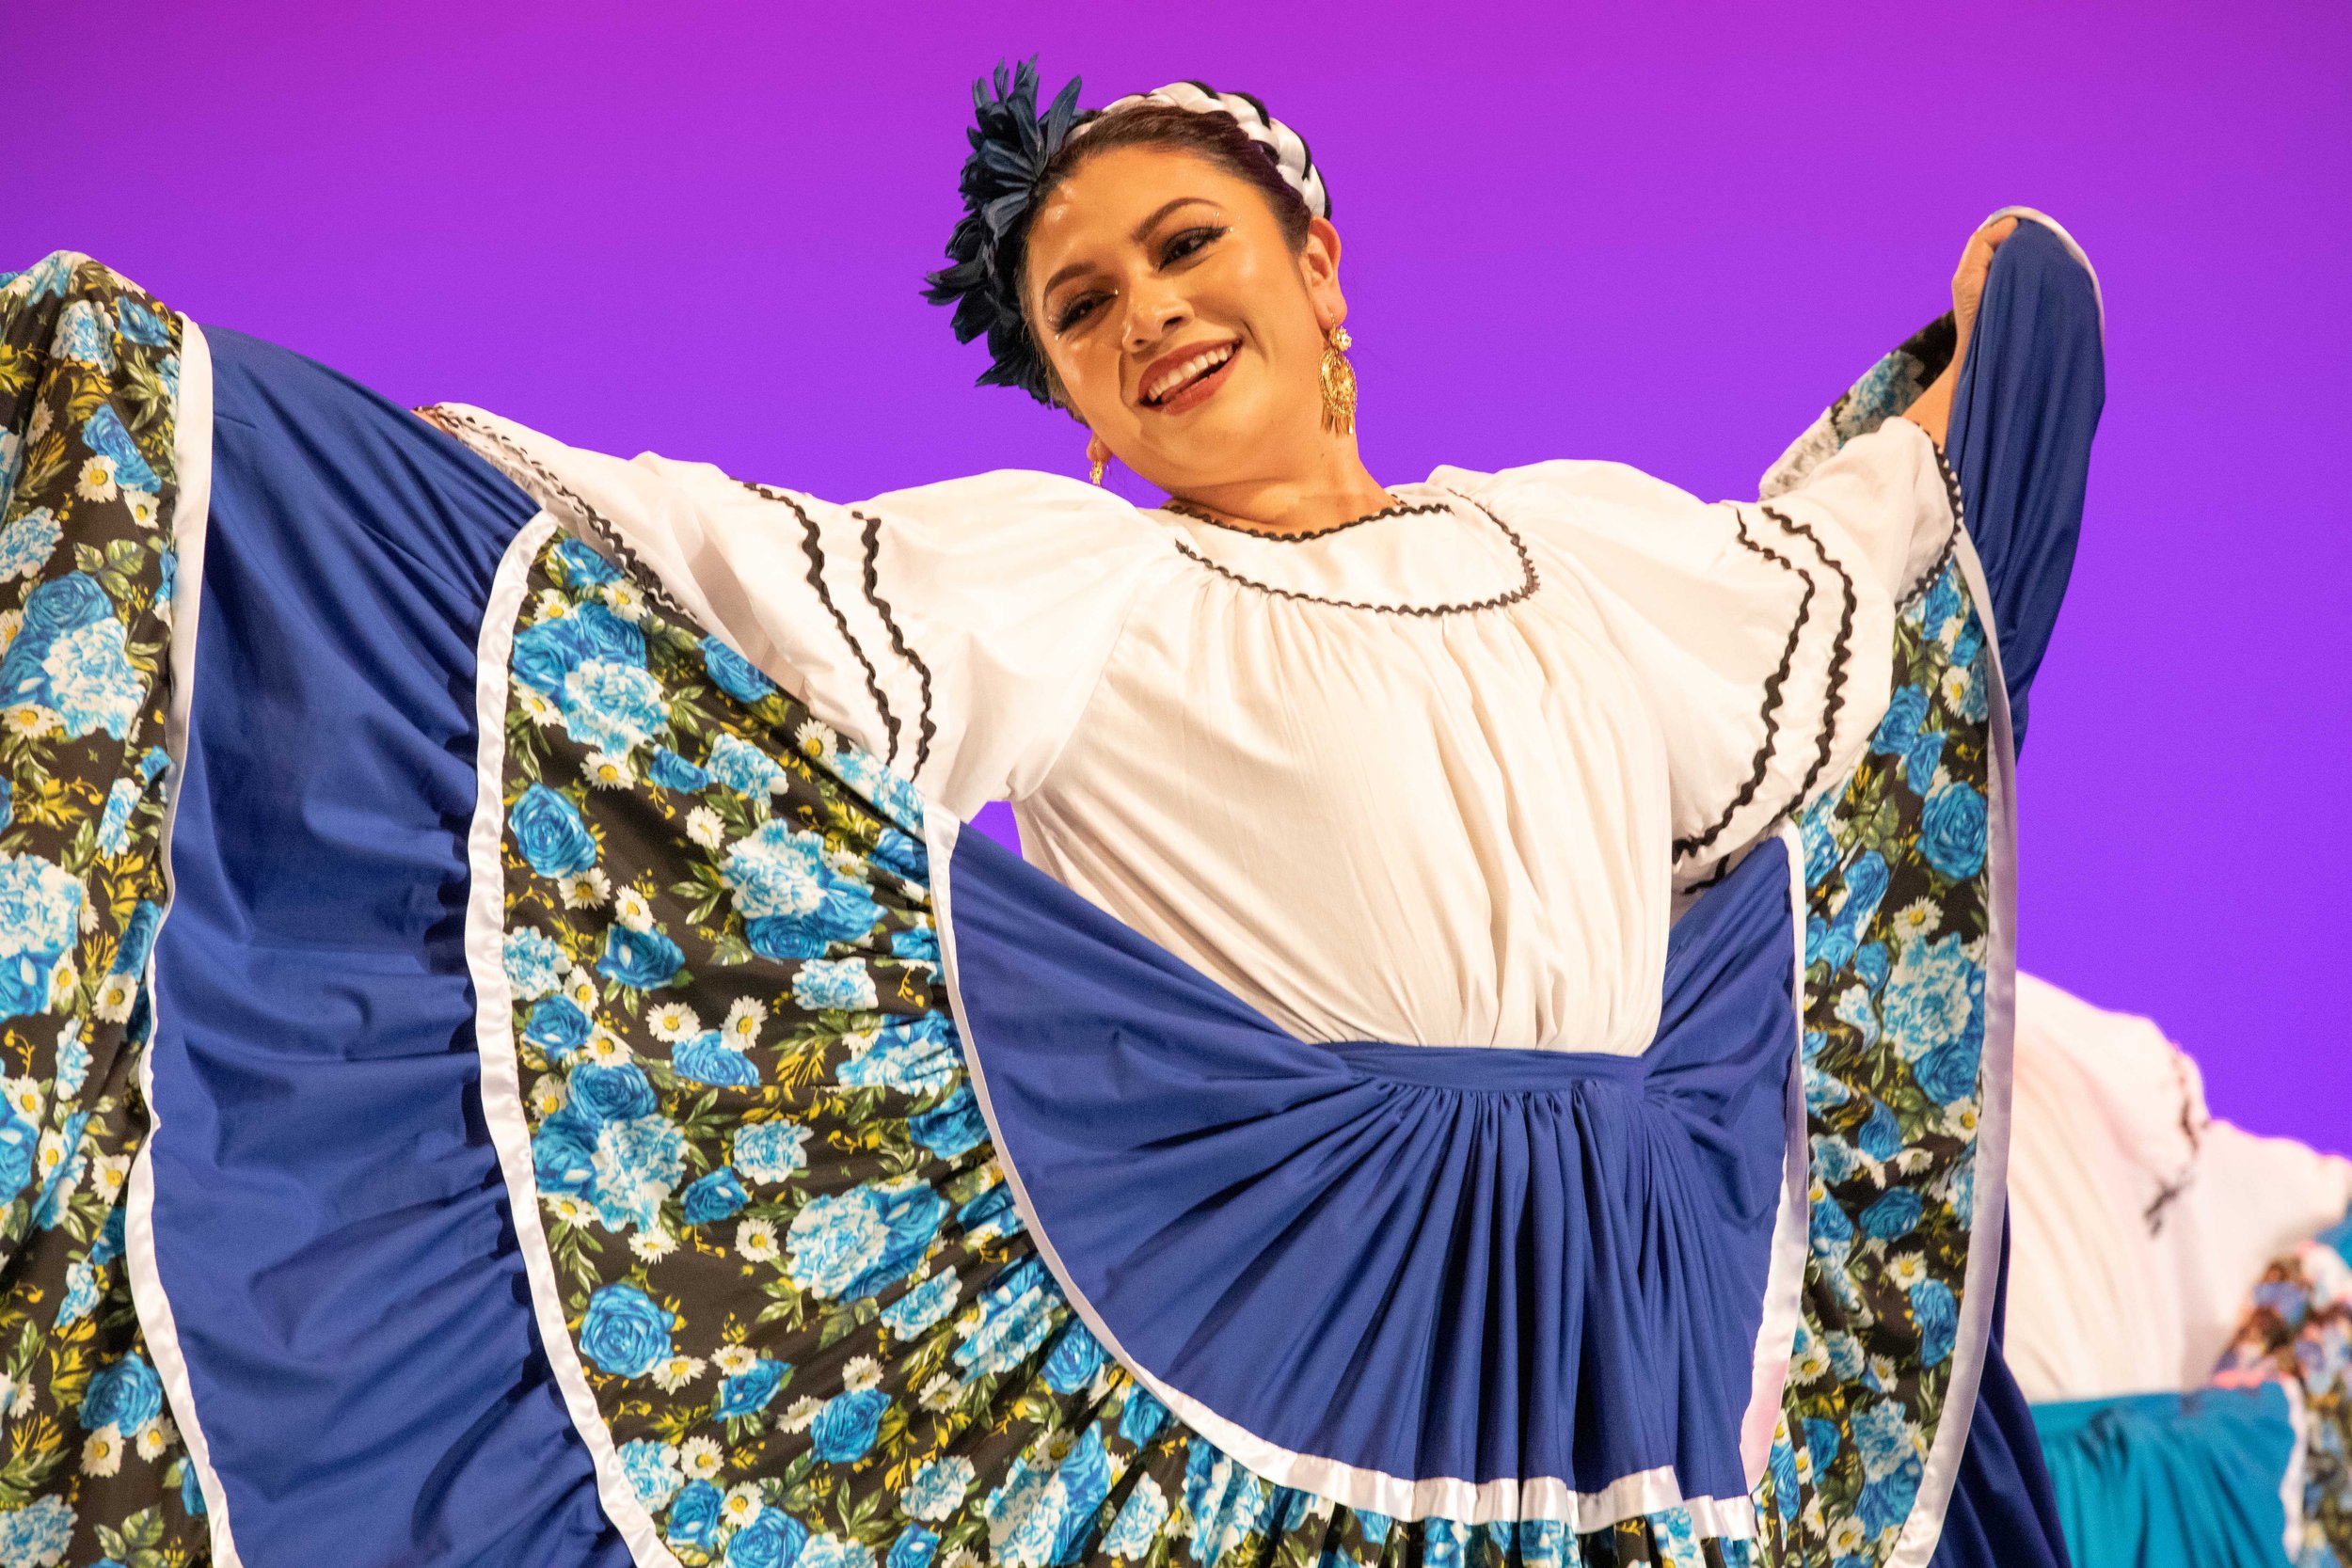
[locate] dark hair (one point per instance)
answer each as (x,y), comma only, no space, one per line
(1018,156)
(1216,137)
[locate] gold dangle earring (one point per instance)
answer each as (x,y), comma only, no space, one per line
(1339,383)
(1097,454)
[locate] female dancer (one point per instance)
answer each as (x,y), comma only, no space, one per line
(876,1197)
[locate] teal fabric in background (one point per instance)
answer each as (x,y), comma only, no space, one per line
(2340,1239)
(2173,1481)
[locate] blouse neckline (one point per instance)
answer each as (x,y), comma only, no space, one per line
(1397,507)
(1529,583)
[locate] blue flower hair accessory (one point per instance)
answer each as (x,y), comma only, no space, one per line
(1011,144)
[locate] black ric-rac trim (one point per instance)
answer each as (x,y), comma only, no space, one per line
(871,541)
(813,547)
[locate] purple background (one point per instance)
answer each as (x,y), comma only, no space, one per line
(699,229)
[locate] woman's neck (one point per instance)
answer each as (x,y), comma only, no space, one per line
(1338,489)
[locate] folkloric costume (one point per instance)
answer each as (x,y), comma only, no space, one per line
(1501,1050)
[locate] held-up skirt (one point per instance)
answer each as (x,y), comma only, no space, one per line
(569,1107)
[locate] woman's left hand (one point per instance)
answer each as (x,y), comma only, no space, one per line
(1975,264)
(1933,412)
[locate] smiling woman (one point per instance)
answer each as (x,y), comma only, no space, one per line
(1482,1065)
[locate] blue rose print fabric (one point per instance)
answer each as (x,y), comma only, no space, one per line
(93,1468)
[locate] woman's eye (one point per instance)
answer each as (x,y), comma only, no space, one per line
(1076,312)
(1186,243)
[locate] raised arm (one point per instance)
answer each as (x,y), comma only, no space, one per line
(1932,410)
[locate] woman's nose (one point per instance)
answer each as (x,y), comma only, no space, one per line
(1152,315)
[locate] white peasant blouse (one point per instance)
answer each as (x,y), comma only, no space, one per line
(1432,777)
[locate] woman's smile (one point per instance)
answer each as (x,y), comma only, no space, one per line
(1186,378)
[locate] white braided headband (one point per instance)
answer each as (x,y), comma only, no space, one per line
(1288,149)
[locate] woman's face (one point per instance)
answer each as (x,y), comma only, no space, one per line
(1186,333)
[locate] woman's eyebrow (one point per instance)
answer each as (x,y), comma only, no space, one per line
(1153,221)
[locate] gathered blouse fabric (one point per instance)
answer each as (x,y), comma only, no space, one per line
(1434,777)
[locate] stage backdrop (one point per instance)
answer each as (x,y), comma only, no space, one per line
(1586,230)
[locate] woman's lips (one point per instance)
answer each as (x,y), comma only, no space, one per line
(1196,391)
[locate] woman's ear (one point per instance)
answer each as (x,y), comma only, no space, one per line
(1319,269)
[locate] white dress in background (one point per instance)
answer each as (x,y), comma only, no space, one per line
(1431,777)
(2140,1224)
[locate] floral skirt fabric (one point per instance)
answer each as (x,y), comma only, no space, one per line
(782,1243)
(791,1312)
(93,1468)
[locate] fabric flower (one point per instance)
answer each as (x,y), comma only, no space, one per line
(838,984)
(735,674)
(910,1055)
(847,1426)
(1076,1356)
(535,965)
(953,1128)
(773,1539)
(849,1245)
(1142,1417)
(125,1395)
(744,767)
(549,830)
(41,910)
(27,544)
(1016,1314)
(747,1392)
(695,1514)
(611,707)
(775,870)
(558,1028)
(937,1488)
(923,1306)
(86,334)
(103,432)
(830,1551)
(640,960)
(1892,1216)
(652,1471)
(624,1331)
(92,683)
(610,1094)
(914,1548)
(1932,995)
(714,1197)
(708,1059)
(1136,1528)
(38,1534)
(1953,832)
(769,1150)
(638,1163)
(545,655)
(673,772)
(114,824)
(1936,1313)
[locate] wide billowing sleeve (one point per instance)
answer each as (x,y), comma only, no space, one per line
(955,631)
(1761,631)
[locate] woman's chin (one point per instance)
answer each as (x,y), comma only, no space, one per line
(1211,443)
